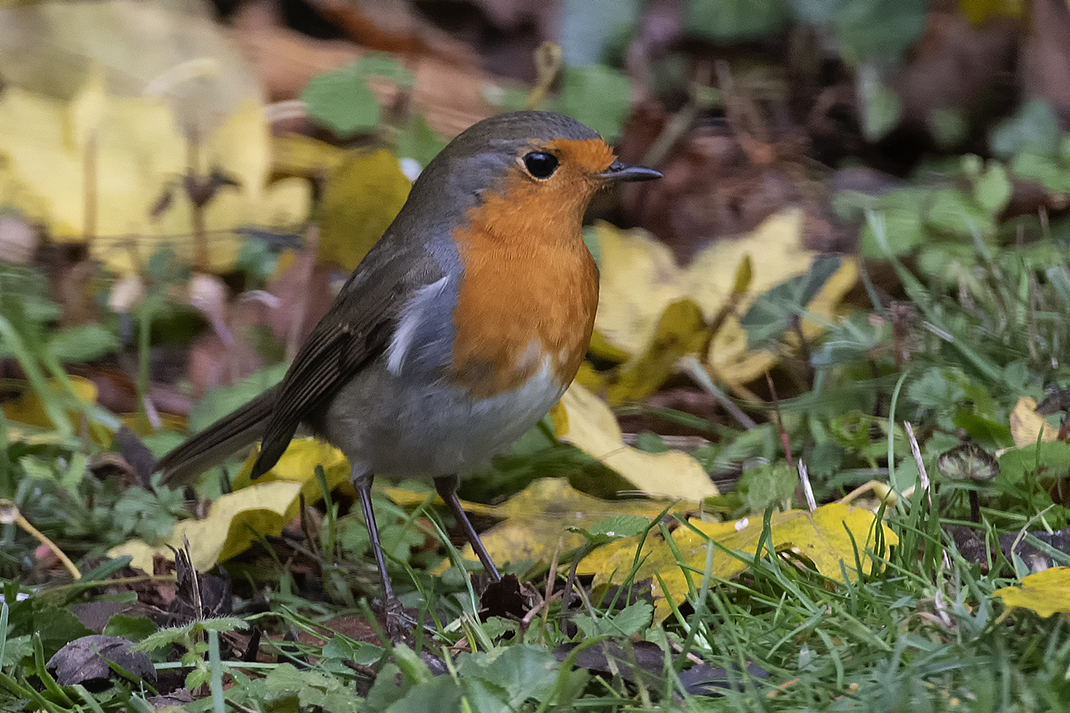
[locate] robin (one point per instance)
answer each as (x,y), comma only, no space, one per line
(457,332)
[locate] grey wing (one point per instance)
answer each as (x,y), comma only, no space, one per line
(356,330)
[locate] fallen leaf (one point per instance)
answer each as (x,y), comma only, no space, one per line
(1028,426)
(640,279)
(234,522)
(826,537)
(298,465)
(67,404)
(681,331)
(238,519)
(364,193)
(585,421)
(1046,592)
(535,519)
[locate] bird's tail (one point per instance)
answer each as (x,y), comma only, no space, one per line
(237,430)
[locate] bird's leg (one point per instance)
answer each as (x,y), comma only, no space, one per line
(447,487)
(393,611)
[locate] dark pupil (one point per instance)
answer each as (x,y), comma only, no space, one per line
(541,165)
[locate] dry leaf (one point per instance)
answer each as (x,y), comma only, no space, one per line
(1028,426)
(536,518)
(827,537)
(640,279)
(585,421)
(364,192)
(1046,592)
(262,509)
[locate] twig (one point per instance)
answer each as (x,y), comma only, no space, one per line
(9,514)
(700,98)
(547,66)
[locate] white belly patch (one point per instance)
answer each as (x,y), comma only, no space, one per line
(396,427)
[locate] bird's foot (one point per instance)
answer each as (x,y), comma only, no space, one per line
(397,622)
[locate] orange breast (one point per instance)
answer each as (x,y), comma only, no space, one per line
(530,288)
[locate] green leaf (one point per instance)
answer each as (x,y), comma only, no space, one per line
(868,30)
(902,212)
(219,402)
(985,432)
(992,190)
(440,693)
(952,211)
(411,664)
(1034,128)
(83,343)
(949,127)
(735,20)
(1044,458)
(633,618)
(619,526)
(346,649)
(342,101)
(389,687)
(767,484)
(880,106)
(257,258)
(521,672)
(590,27)
(132,628)
(1050,173)
(937,388)
(386,65)
(627,622)
(222,624)
(597,96)
(418,141)
(770,315)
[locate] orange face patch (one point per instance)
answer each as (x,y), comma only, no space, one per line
(530,287)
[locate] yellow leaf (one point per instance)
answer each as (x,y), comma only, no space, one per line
(87,108)
(534,520)
(240,147)
(1046,592)
(234,522)
(30,407)
(304,156)
(1028,426)
(681,331)
(640,279)
(139,423)
(362,196)
(139,152)
(606,351)
(980,12)
(298,465)
(744,275)
(821,537)
(592,428)
(261,508)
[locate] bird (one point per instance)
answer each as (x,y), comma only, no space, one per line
(457,332)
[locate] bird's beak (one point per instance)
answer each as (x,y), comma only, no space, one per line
(618,171)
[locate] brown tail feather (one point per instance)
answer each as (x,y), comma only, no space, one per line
(237,430)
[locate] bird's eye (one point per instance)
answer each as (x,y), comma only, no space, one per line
(540,164)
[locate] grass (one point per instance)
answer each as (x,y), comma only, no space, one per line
(922,632)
